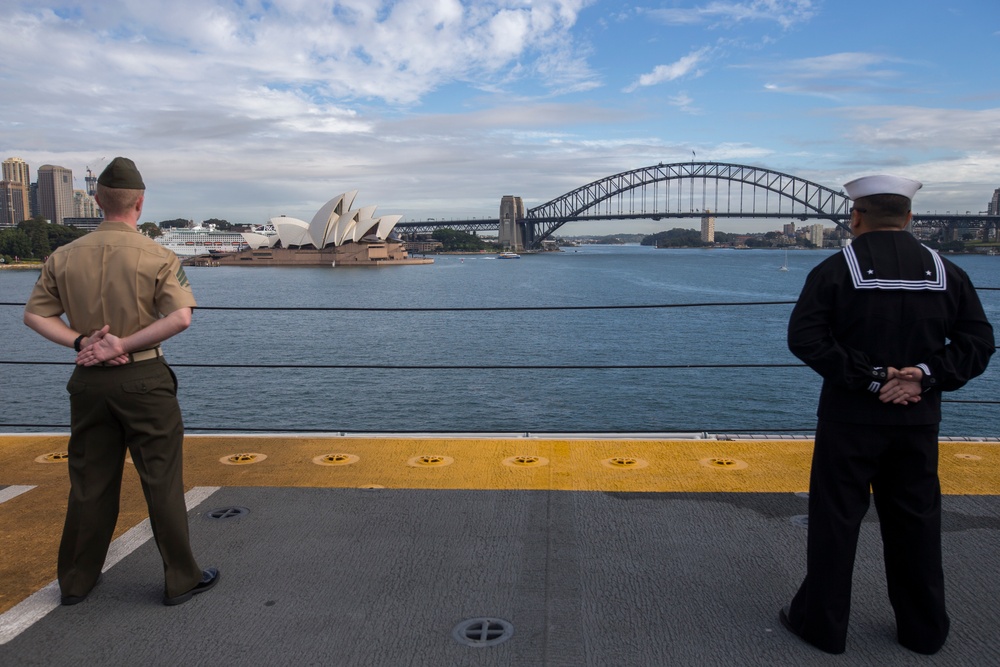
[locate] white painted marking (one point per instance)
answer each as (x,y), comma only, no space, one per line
(32,609)
(13,492)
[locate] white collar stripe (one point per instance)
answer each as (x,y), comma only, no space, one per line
(939,284)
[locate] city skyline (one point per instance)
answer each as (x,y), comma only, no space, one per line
(250,110)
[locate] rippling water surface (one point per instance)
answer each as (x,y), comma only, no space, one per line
(390,395)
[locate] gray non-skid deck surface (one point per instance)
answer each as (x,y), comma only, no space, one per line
(381,577)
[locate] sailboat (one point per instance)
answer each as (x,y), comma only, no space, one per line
(784,267)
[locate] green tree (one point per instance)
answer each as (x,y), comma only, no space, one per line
(221,225)
(151,229)
(15,243)
(455,241)
(60,235)
(37,230)
(176,222)
(675,238)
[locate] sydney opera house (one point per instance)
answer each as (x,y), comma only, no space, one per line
(338,235)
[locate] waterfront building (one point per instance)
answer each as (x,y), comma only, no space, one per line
(423,245)
(789,230)
(13,200)
(816,235)
(708,227)
(338,235)
(511,234)
(993,208)
(335,224)
(55,193)
(16,170)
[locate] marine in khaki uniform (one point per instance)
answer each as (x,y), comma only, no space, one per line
(122,294)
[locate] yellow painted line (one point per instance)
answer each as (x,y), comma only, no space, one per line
(743,466)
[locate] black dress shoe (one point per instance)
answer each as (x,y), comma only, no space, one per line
(783,617)
(209,578)
(68,600)
(785,621)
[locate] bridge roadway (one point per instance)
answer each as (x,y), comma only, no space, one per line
(660,551)
(477,225)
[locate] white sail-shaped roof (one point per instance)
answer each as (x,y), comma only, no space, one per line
(385,225)
(335,223)
(291,231)
(356,224)
(324,228)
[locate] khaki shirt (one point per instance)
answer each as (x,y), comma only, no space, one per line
(114,275)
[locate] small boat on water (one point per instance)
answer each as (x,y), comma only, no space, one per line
(508,255)
(784,267)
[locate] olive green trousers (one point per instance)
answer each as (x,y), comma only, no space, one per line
(114,409)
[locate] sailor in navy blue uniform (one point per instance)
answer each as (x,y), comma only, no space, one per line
(889,325)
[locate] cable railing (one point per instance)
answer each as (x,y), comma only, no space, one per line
(257,366)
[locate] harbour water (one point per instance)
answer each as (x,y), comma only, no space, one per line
(227,362)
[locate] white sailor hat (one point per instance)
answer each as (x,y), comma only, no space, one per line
(882,185)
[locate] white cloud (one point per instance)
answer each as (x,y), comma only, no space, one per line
(836,75)
(923,128)
(786,13)
(684,102)
(688,65)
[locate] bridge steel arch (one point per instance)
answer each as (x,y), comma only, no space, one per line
(721,189)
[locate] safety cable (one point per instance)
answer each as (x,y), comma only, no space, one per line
(438,309)
(397,367)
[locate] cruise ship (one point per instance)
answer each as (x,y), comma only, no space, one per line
(207,240)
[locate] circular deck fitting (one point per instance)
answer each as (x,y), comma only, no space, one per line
(227,512)
(723,463)
(969,457)
(242,459)
(430,461)
(624,463)
(336,459)
(800,520)
(525,461)
(481,632)
(53,457)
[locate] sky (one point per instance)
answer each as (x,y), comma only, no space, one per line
(248,109)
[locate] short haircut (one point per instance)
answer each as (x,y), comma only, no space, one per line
(885,210)
(117,200)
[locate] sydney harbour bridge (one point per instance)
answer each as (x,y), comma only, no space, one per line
(693,190)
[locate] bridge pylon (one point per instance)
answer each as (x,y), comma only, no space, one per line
(512,234)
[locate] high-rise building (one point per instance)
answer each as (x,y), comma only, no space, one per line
(816,235)
(12,201)
(91,182)
(994,206)
(84,205)
(15,170)
(708,227)
(55,193)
